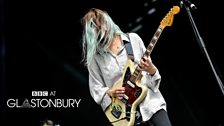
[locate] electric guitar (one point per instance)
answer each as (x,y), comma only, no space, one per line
(122,112)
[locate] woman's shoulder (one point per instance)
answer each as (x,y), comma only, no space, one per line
(134,37)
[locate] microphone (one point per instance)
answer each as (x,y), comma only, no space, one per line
(189,3)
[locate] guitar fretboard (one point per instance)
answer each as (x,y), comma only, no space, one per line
(148,51)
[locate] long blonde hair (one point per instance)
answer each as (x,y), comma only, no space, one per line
(98,32)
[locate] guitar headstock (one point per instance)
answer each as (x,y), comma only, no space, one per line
(168,19)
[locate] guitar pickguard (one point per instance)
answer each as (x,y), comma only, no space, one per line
(132,91)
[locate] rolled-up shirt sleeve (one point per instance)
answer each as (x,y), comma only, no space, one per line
(151,81)
(97,87)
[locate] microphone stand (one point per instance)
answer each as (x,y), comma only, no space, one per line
(200,41)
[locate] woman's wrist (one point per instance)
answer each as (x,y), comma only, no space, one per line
(152,70)
(109,93)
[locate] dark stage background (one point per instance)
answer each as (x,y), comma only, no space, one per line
(41,51)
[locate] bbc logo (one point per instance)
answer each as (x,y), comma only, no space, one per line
(39,93)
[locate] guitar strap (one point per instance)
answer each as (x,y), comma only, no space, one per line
(128,48)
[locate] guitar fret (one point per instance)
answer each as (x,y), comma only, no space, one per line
(136,73)
(147,52)
(150,47)
(133,78)
(154,39)
(158,32)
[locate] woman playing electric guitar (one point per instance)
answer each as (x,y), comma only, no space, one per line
(106,58)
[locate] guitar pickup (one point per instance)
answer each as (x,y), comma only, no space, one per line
(130,84)
(138,92)
(125,97)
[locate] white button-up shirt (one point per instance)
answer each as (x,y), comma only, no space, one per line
(105,70)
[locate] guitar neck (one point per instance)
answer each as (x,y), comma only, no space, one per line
(153,41)
(148,51)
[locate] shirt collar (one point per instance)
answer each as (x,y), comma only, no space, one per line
(125,38)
